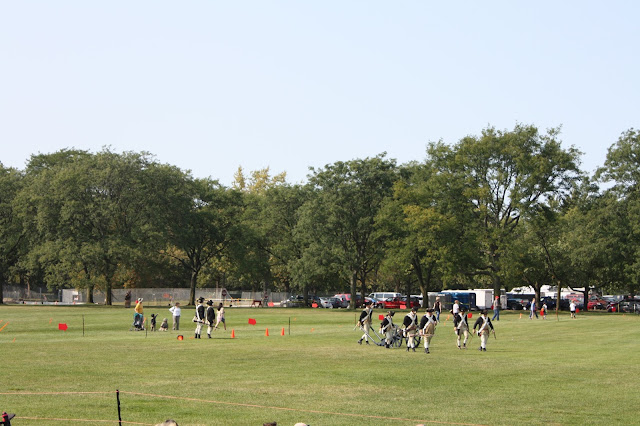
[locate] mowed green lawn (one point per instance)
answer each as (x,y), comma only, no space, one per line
(583,371)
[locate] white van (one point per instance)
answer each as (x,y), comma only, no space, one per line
(384,295)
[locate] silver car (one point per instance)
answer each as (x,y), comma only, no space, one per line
(328,302)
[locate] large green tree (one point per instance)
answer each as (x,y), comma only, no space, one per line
(504,175)
(338,223)
(201,225)
(91,214)
(11,230)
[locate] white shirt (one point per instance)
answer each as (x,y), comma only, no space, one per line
(175,310)
(456,308)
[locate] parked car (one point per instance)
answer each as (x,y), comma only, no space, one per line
(313,299)
(344,299)
(384,295)
(550,302)
(293,302)
(329,302)
(325,302)
(397,303)
(516,304)
(630,306)
(414,302)
(594,304)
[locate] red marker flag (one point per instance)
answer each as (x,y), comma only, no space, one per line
(252,321)
(62,326)
(469,315)
(380,317)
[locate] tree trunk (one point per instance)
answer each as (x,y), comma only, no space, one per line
(1,291)
(90,294)
(108,276)
(354,282)
(192,287)
(497,284)
(558,298)
(417,268)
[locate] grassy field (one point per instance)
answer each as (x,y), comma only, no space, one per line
(582,371)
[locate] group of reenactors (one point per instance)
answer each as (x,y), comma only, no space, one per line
(414,329)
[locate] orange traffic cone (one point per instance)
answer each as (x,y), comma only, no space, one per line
(520,315)
(312,329)
(233,334)
(282,332)
(266,333)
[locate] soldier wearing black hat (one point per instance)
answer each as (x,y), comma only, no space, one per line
(210,317)
(387,328)
(410,323)
(461,326)
(199,318)
(428,327)
(484,326)
(365,321)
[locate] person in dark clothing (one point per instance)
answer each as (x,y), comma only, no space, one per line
(6,418)
(210,317)
(199,318)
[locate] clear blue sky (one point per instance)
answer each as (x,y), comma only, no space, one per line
(212,85)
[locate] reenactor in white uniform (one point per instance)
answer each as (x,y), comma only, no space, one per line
(410,323)
(484,326)
(365,322)
(461,326)
(428,328)
(387,328)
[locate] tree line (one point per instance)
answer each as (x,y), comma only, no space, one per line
(497,210)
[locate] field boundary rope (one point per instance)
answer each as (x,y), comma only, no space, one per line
(235,404)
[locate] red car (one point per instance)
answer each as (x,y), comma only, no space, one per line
(594,304)
(398,303)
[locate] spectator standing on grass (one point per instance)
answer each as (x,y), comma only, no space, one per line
(461,326)
(496,309)
(572,308)
(428,328)
(533,309)
(484,326)
(199,318)
(543,311)
(221,317)
(138,317)
(176,312)
(139,309)
(365,322)
(210,317)
(456,308)
(437,308)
